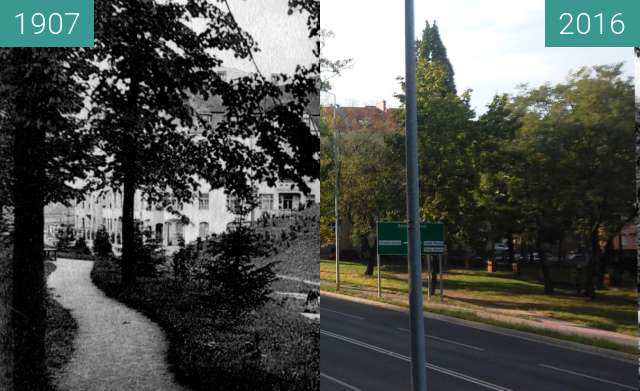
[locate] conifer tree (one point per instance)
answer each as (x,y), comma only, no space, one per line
(432,49)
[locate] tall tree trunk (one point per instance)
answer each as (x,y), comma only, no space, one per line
(128,232)
(367,254)
(28,264)
(129,188)
(6,296)
(435,269)
(592,265)
(511,252)
(546,273)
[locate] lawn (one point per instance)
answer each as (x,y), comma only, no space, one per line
(615,309)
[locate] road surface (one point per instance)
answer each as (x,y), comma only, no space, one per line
(366,348)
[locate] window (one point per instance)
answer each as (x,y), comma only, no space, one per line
(233,204)
(266,201)
(206,117)
(203,201)
(285,202)
(216,119)
(311,199)
(203,232)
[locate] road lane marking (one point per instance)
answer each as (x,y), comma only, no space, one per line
(448,341)
(340,382)
(341,313)
(408,359)
(588,377)
(492,329)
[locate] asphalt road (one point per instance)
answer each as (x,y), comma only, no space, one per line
(366,348)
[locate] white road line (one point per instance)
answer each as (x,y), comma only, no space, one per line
(341,313)
(588,377)
(491,329)
(448,341)
(408,359)
(343,384)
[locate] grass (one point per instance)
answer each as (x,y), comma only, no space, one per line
(615,309)
(207,351)
(61,327)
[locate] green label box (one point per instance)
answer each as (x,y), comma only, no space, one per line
(592,23)
(46,23)
(392,238)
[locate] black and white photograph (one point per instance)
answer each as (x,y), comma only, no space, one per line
(159,198)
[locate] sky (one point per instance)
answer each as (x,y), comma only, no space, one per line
(494,45)
(283,39)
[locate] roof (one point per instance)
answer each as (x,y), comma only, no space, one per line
(367,117)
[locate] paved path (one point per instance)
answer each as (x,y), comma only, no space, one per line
(116,347)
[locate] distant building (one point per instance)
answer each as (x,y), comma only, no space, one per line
(207,213)
(626,238)
(56,217)
(378,117)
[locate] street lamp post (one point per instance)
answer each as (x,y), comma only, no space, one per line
(336,192)
(418,359)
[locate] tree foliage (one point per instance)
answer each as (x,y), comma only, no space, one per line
(152,65)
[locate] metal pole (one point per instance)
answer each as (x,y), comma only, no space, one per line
(441,282)
(418,355)
(336,193)
(429,281)
(378,259)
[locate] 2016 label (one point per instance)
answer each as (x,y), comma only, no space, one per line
(582,24)
(592,23)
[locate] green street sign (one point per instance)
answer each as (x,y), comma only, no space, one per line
(392,238)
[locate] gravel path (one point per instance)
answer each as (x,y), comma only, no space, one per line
(116,348)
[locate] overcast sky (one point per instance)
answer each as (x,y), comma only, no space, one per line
(493,45)
(283,39)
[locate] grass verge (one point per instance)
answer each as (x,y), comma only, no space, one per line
(502,293)
(271,348)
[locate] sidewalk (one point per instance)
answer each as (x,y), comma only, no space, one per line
(116,348)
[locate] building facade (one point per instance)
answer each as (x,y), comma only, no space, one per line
(210,212)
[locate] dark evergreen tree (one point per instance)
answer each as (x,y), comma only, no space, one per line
(101,244)
(431,49)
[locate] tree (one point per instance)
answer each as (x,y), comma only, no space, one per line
(101,244)
(370,186)
(497,129)
(153,65)
(41,90)
(432,49)
(575,168)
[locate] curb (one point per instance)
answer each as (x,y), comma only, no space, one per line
(582,348)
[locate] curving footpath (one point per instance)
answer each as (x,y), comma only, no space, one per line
(116,347)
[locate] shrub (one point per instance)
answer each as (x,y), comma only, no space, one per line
(227,275)
(101,244)
(64,236)
(148,253)
(81,246)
